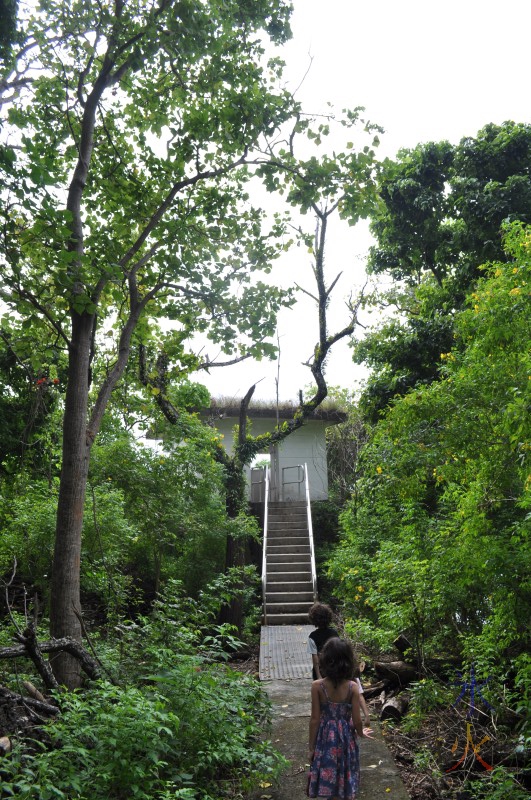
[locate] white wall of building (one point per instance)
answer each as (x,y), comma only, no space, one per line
(304,446)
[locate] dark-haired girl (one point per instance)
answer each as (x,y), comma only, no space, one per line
(319,615)
(334,725)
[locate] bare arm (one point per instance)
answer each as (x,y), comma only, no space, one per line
(315,662)
(314,718)
(365,710)
(356,715)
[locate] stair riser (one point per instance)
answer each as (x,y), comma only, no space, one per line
(278,541)
(286,549)
(283,585)
(287,608)
(287,558)
(299,567)
(288,619)
(289,598)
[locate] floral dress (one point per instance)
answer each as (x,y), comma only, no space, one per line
(335,768)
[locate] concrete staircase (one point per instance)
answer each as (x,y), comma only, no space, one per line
(289,590)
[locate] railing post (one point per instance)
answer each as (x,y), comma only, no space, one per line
(310,533)
(264,550)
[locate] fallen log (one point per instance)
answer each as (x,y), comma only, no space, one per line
(402,644)
(376,689)
(5,745)
(33,692)
(395,707)
(29,702)
(398,672)
(88,664)
(31,644)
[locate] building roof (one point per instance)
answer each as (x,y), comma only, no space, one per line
(224,410)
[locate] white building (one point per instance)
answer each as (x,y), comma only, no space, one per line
(303,449)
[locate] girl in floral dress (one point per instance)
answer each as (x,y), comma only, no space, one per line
(334,724)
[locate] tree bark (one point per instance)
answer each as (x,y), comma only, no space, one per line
(398,672)
(232,613)
(65,605)
(395,707)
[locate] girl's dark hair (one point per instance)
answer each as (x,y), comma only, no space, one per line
(337,660)
(320,615)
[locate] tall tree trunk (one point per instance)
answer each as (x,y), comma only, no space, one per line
(65,587)
(232,613)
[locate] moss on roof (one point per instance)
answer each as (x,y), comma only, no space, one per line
(328,411)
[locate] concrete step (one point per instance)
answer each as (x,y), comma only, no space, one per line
(286,548)
(277,541)
(289,530)
(287,558)
(295,607)
(287,503)
(287,619)
(288,575)
(299,567)
(281,585)
(289,597)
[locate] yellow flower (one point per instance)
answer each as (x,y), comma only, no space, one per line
(357,597)
(379,470)
(360,588)
(515,291)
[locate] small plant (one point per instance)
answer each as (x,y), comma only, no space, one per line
(426,696)
(500,784)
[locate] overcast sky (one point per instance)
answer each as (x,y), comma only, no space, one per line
(425,71)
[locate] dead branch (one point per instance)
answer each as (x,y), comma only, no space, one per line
(88,664)
(36,705)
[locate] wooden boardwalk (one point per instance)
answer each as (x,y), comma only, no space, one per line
(283,652)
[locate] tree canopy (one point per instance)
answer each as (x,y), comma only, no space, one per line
(124,202)
(442,208)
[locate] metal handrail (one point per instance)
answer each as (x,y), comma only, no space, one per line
(298,480)
(264,551)
(310,533)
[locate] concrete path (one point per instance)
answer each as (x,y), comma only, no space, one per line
(291,706)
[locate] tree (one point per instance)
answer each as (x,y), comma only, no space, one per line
(437,536)
(124,201)
(341,185)
(8,28)
(440,219)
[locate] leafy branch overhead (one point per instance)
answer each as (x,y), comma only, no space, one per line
(124,175)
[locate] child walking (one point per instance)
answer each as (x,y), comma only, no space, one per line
(319,615)
(335,723)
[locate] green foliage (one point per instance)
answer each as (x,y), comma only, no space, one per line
(150,516)
(8,30)
(498,784)
(178,723)
(436,541)
(343,445)
(197,727)
(427,696)
(440,218)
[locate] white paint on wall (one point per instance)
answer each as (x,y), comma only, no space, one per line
(307,445)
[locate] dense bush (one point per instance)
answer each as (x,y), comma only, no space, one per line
(181,723)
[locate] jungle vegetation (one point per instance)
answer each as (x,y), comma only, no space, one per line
(132,137)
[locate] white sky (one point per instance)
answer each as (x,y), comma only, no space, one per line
(425,71)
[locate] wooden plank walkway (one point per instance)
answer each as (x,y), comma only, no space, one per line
(283,652)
